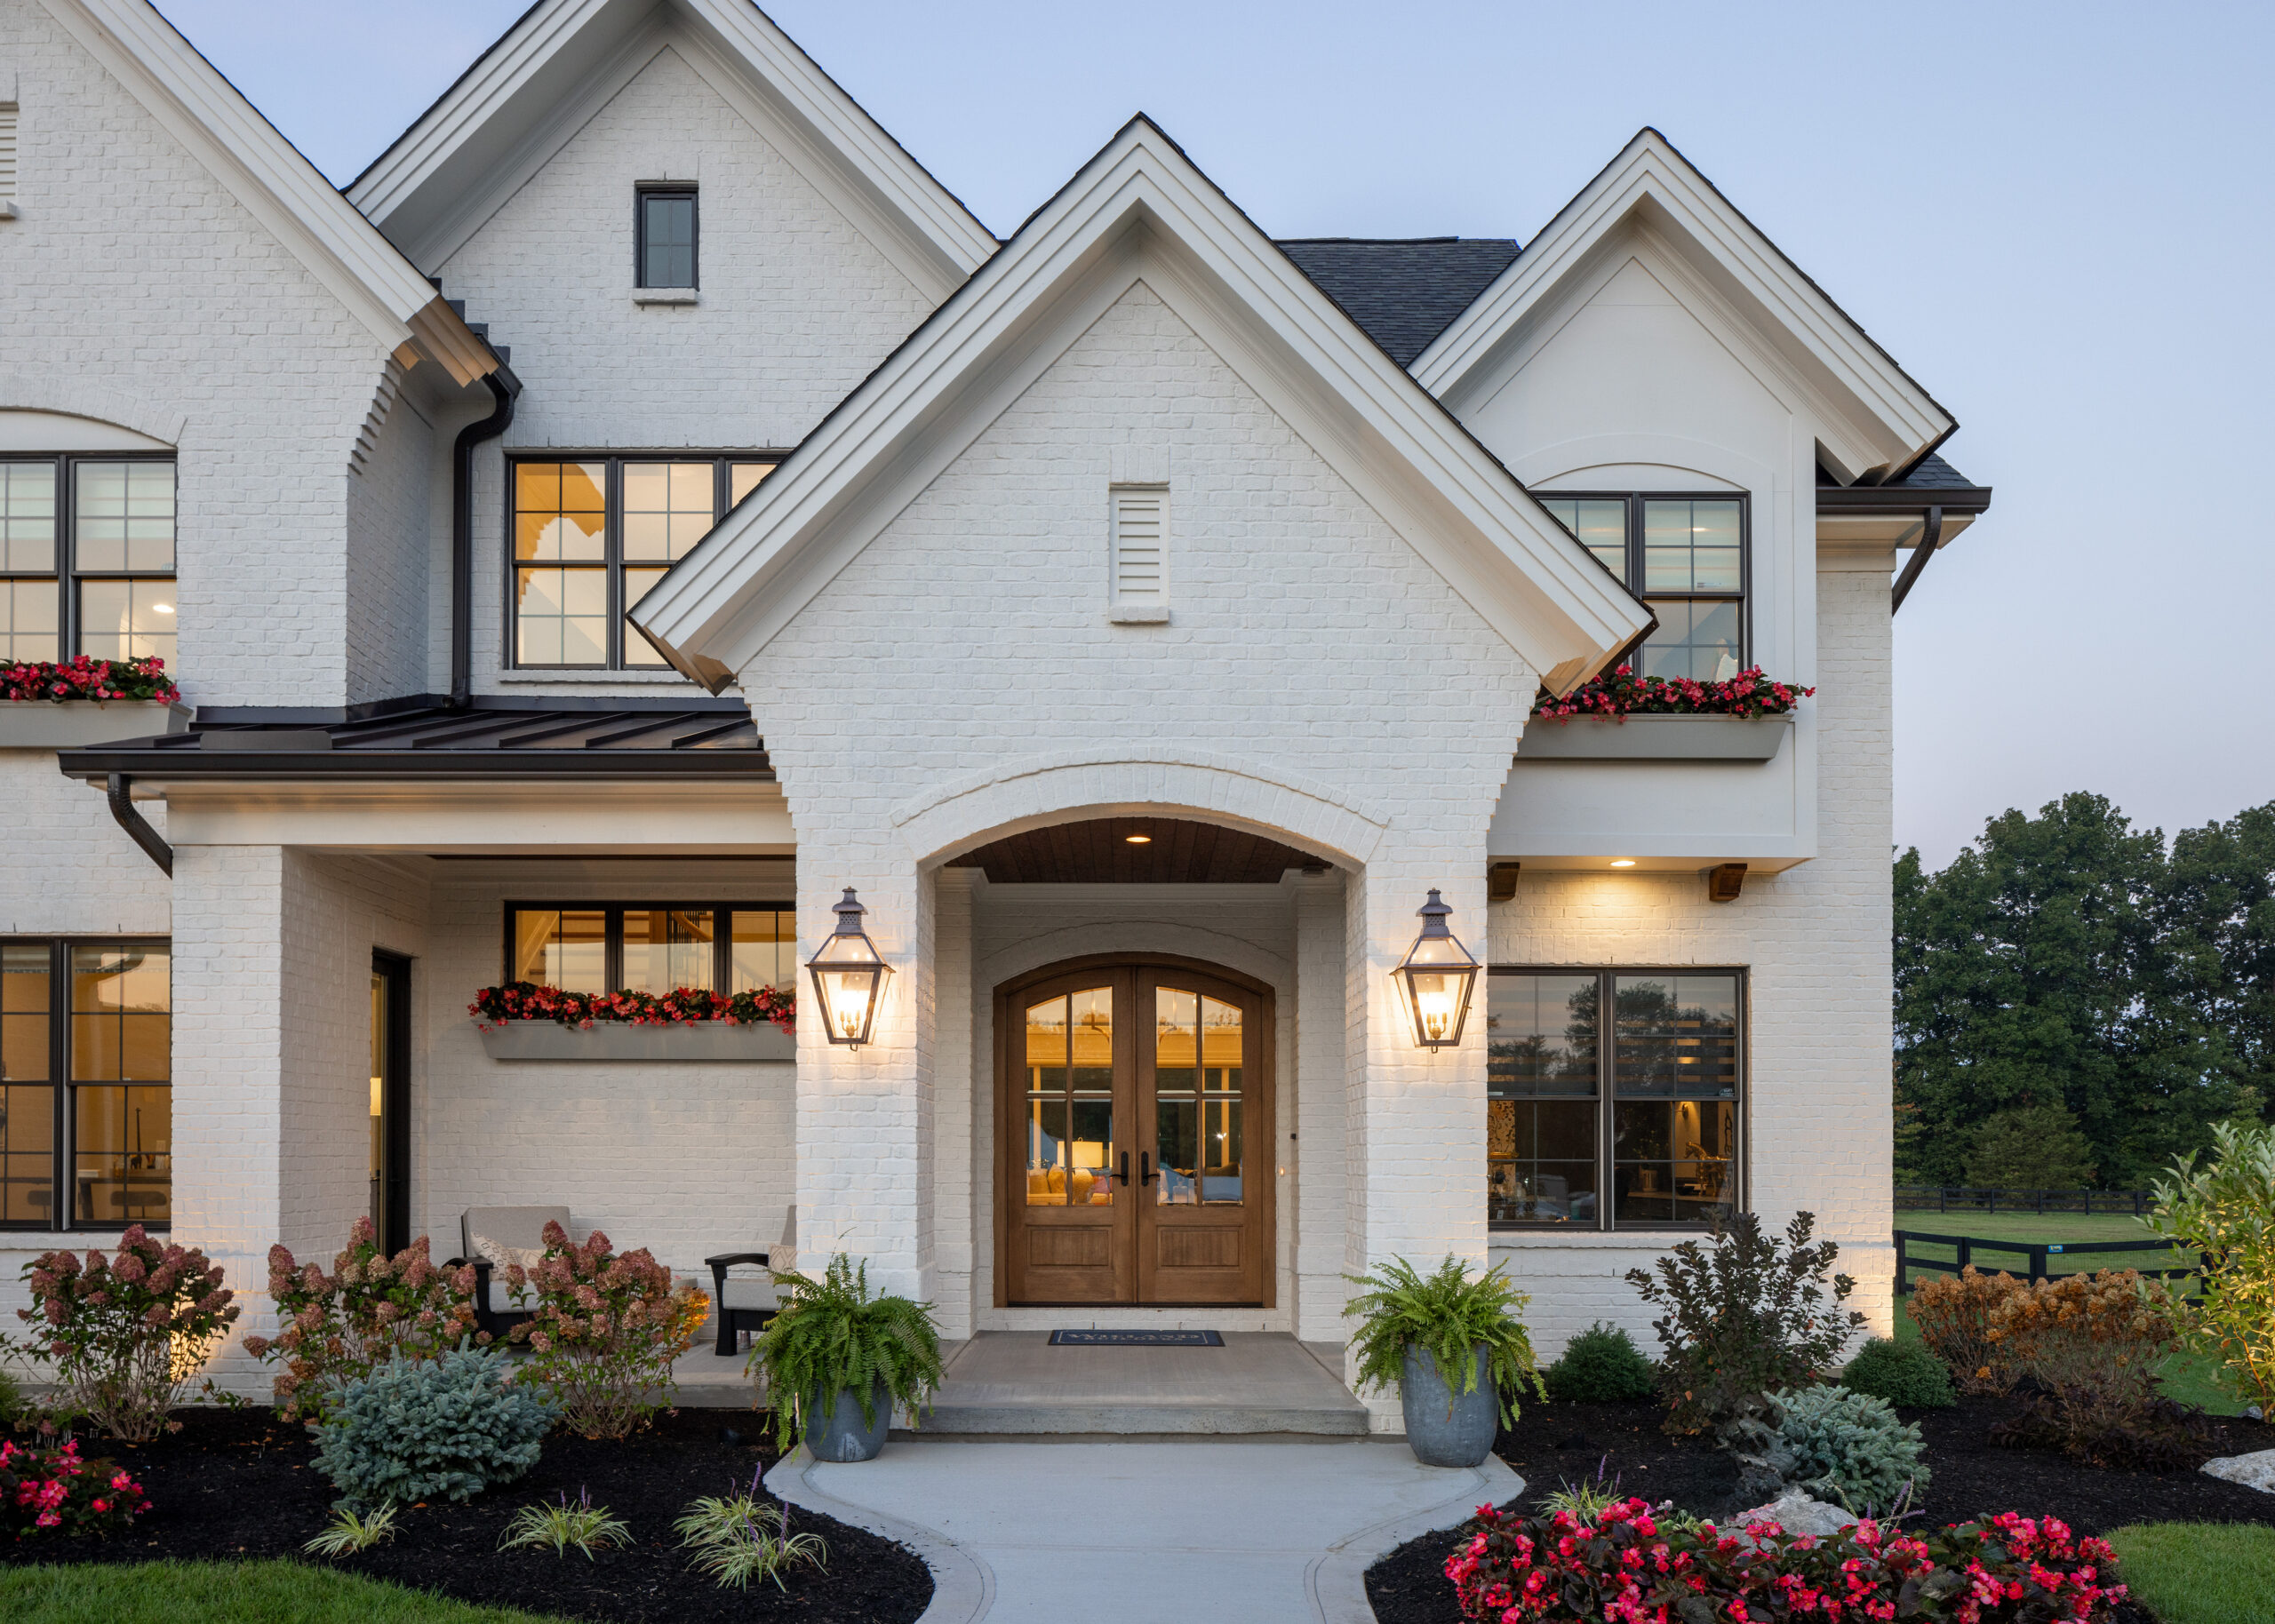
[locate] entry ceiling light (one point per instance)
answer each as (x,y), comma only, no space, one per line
(848,977)
(1139,840)
(1437,978)
(1622,862)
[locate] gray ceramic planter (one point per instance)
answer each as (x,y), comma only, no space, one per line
(1441,1435)
(837,1433)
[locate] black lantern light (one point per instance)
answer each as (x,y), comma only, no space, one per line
(1437,978)
(848,977)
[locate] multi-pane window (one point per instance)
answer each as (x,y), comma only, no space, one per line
(86,557)
(85,1083)
(592,536)
(665,233)
(1637,1128)
(1685,557)
(655,948)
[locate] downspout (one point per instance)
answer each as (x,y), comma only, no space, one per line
(505,388)
(137,826)
(1931,537)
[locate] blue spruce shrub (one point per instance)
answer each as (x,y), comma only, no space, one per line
(1600,1365)
(1847,1447)
(1902,1373)
(415,1429)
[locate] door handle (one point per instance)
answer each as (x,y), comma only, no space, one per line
(1144,1167)
(1124,1174)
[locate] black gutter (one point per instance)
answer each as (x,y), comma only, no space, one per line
(137,826)
(505,389)
(1931,537)
(409,766)
(1970,499)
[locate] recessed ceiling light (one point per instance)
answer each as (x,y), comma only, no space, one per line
(1139,840)
(1622,862)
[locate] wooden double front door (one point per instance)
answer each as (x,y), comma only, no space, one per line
(1136,1136)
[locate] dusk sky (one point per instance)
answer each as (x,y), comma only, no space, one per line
(2057,218)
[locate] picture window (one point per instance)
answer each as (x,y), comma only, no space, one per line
(651,947)
(87,557)
(1685,556)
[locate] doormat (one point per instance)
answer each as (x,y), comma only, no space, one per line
(1136,1339)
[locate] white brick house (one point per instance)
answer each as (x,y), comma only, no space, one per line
(1141,615)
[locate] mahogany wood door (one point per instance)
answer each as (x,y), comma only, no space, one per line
(1136,1136)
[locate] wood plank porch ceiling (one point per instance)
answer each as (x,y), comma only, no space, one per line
(1098,851)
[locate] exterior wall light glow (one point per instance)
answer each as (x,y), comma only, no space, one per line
(848,977)
(1436,979)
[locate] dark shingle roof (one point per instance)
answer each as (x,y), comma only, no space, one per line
(1933,473)
(1403,292)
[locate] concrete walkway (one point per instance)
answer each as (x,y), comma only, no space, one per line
(1151,1532)
(1013,1382)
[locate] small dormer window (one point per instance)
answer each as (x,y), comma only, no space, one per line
(665,227)
(1685,556)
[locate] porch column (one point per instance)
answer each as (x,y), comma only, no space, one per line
(955,1086)
(1320,1113)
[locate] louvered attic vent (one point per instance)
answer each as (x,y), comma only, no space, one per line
(1139,546)
(7,160)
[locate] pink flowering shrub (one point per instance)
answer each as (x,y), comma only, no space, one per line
(1623,693)
(48,1490)
(525,1000)
(339,1325)
(86,678)
(125,1333)
(605,1331)
(1625,1567)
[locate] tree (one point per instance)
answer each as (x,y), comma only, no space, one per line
(2218,903)
(2035,1147)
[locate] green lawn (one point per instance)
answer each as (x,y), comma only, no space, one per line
(2200,1572)
(226,1592)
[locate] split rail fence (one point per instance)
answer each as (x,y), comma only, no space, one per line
(2040,1254)
(1957,1199)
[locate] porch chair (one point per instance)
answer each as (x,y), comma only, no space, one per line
(745,1304)
(510,1230)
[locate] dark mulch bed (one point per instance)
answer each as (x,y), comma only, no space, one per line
(1553,1443)
(241,1484)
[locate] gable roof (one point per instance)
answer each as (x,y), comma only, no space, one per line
(1875,421)
(529,93)
(274,181)
(1403,291)
(1140,198)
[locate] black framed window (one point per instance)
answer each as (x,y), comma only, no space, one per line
(87,557)
(1637,1128)
(651,947)
(593,534)
(665,230)
(86,1094)
(1684,554)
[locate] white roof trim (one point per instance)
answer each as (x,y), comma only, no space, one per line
(1882,420)
(268,175)
(420,191)
(1140,209)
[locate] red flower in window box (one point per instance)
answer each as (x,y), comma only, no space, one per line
(84,677)
(526,1000)
(1623,693)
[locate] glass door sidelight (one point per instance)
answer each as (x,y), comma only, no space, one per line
(390,1099)
(1069,1085)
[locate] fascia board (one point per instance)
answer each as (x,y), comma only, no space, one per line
(716,608)
(1650,177)
(265,173)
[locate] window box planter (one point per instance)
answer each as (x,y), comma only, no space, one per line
(714,1042)
(1655,738)
(40,724)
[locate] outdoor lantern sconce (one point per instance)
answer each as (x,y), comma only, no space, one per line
(848,977)
(1437,979)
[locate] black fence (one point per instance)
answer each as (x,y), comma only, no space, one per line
(2041,1254)
(1932,1199)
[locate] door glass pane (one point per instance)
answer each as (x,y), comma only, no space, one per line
(1221,1034)
(1090,1149)
(1177,1108)
(665,949)
(1046,1114)
(1090,1181)
(566,948)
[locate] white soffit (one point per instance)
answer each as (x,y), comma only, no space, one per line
(1141,211)
(278,185)
(1876,418)
(527,95)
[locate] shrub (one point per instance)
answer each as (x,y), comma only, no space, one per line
(606,1330)
(2226,1210)
(1448,1316)
(1741,1321)
(1626,1564)
(48,1489)
(2091,1346)
(1600,1365)
(371,1308)
(831,1336)
(1953,1315)
(1904,1373)
(415,1428)
(125,1333)
(2031,1147)
(1850,1449)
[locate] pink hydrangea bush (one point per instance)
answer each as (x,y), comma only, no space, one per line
(526,1000)
(86,678)
(605,1331)
(1627,1567)
(1623,693)
(125,1332)
(48,1490)
(337,1327)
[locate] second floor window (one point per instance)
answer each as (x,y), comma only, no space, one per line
(592,536)
(86,557)
(665,229)
(1685,557)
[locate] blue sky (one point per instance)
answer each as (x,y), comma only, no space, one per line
(2056,217)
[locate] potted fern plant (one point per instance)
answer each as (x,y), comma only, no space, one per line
(1454,1348)
(837,1360)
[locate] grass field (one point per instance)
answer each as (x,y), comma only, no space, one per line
(226,1593)
(2200,1572)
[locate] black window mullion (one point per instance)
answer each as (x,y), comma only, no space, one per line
(612,950)
(61,1210)
(67,561)
(1607,1079)
(612,552)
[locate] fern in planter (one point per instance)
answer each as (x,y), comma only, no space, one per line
(831,1336)
(1448,1316)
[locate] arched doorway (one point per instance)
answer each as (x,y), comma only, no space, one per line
(1135,1111)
